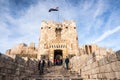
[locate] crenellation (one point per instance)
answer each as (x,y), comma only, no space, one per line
(23,50)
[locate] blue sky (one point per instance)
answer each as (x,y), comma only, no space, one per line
(98,21)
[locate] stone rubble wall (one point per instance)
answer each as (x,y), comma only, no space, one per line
(17,68)
(107,68)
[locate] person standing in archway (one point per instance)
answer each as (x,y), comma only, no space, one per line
(55,61)
(67,62)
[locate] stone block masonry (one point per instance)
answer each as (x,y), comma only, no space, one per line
(107,68)
(17,68)
(61,41)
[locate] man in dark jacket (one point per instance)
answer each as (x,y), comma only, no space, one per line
(67,62)
(41,66)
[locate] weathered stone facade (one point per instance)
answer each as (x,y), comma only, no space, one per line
(17,68)
(58,39)
(23,50)
(107,68)
(91,67)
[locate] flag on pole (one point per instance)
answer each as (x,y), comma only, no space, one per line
(54,9)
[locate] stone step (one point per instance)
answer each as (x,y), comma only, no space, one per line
(55,77)
(56,73)
(58,79)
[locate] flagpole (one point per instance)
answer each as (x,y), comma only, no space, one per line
(58,16)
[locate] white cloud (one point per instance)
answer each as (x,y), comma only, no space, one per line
(106,34)
(28,24)
(100,8)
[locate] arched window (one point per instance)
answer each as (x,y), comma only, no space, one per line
(61,46)
(57,46)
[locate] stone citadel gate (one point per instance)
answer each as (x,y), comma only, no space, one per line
(58,40)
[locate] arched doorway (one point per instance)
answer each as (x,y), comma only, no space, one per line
(58,56)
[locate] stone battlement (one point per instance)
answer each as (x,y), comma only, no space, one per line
(23,50)
(17,68)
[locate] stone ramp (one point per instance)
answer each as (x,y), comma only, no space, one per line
(57,73)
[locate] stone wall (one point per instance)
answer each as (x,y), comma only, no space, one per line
(107,68)
(91,68)
(76,62)
(17,68)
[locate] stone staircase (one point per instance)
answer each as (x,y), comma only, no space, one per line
(56,73)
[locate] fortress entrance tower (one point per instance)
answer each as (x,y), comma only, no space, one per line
(57,40)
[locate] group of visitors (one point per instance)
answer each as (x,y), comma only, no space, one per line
(42,64)
(57,61)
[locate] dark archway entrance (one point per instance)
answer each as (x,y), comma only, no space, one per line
(58,56)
